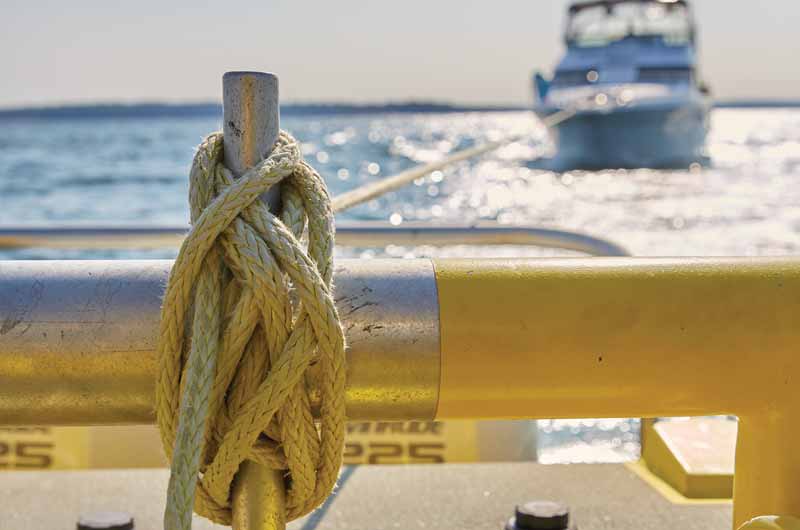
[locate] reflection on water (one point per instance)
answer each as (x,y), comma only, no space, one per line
(588,441)
(133,171)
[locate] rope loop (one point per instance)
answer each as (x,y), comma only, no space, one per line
(248,308)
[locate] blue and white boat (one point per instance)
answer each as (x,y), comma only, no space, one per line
(630,76)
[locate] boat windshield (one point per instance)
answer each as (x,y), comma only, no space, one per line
(599,23)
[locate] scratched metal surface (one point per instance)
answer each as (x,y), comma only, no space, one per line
(78,340)
(451,496)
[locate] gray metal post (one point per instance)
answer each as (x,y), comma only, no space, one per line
(251,126)
(251,123)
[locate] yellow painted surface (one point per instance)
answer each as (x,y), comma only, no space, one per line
(125,446)
(605,337)
(80,447)
(767,478)
(694,456)
(139,446)
(418,442)
(29,448)
(641,470)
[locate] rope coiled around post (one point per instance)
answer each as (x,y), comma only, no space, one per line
(247,310)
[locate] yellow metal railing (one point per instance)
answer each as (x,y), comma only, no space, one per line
(551,338)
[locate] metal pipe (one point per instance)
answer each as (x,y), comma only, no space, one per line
(89,237)
(614,337)
(617,337)
(515,338)
(547,338)
(251,125)
(78,340)
(258,498)
(380,234)
(353,234)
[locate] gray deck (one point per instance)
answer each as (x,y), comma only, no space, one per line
(446,497)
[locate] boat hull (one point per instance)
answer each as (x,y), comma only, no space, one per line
(652,136)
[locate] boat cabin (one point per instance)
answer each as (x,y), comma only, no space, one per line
(628,41)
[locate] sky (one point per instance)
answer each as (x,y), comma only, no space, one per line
(465,51)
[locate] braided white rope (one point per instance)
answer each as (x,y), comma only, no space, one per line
(233,388)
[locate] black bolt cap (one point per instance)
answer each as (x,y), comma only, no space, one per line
(540,515)
(105,521)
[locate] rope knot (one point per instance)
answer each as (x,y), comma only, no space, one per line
(248,308)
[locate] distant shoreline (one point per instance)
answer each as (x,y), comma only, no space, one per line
(757,104)
(169,110)
(181,110)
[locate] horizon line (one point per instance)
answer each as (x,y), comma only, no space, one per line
(218,102)
(124,108)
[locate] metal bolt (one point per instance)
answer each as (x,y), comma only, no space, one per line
(540,515)
(106,521)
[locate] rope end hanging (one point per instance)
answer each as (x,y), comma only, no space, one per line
(234,388)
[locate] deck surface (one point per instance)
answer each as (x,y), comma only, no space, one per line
(417,497)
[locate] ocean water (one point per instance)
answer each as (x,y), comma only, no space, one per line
(134,172)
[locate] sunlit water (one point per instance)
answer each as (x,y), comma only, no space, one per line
(133,172)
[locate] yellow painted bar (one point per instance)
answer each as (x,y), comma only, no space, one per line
(572,338)
(766,480)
